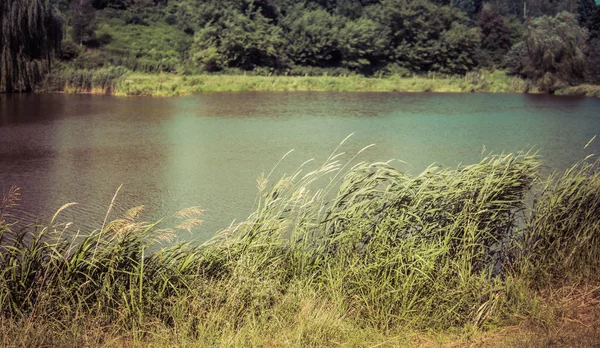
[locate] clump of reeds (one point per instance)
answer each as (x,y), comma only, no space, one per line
(376,247)
(52,270)
(103,80)
(562,238)
(394,248)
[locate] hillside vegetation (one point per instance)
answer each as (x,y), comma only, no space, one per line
(551,45)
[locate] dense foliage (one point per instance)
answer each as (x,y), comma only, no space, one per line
(547,42)
(83,22)
(552,54)
(495,35)
(30,31)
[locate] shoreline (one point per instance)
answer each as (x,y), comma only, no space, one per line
(165,85)
(173,85)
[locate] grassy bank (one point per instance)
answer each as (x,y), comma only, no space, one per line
(581,90)
(377,256)
(134,84)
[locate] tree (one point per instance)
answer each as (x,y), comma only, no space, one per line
(115,4)
(362,45)
(313,37)
(585,11)
(425,37)
(514,61)
(592,71)
(593,24)
(237,40)
(495,35)
(470,7)
(30,33)
(555,51)
(83,21)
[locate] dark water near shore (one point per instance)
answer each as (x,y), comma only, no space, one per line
(207,150)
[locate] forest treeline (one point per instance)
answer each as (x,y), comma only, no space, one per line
(553,43)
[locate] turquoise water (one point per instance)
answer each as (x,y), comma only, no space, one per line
(208,149)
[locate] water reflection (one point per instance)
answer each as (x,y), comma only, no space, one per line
(207,150)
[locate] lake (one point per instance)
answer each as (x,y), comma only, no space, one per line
(208,149)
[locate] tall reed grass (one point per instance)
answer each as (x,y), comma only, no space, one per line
(174,85)
(99,81)
(353,246)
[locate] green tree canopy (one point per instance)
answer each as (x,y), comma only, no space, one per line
(585,11)
(427,37)
(495,35)
(555,51)
(313,37)
(362,46)
(83,21)
(30,31)
(237,40)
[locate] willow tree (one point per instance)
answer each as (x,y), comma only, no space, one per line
(30,32)
(555,51)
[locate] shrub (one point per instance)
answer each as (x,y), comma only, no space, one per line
(69,50)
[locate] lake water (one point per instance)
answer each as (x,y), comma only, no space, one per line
(208,149)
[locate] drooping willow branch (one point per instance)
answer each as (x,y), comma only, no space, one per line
(30,32)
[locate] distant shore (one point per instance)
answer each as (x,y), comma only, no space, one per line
(169,85)
(172,85)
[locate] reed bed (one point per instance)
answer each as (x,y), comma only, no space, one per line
(343,252)
(119,81)
(174,85)
(96,81)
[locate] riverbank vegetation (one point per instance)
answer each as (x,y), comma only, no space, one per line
(118,82)
(338,253)
(552,45)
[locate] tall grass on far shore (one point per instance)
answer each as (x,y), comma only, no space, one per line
(98,81)
(119,81)
(174,85)
(331,251)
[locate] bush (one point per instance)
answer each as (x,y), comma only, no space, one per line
(135,20)
(394,70)
(171,20)
(514,61)
(104,39)
(69,50)
(317,71)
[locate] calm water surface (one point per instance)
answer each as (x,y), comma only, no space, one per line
(207,150)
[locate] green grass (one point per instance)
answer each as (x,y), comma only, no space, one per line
(581,90)
(117,81)
(348,253)
(149,48)
(174,85)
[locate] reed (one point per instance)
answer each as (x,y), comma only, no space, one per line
(98,81)
(174,85)
(562,238)
(338,252)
